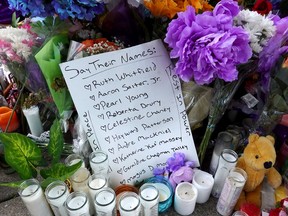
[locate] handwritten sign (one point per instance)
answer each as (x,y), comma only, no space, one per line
(131,106)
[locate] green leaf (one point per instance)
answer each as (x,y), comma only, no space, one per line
(60,171)
(56,142)
(21,153)
(11,184)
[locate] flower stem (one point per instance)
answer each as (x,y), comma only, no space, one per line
(205,141)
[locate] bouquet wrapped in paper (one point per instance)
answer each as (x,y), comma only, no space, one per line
(49,58)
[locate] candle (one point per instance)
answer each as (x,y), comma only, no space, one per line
(95,184)
(73,159)
(185,198)
(33,120)
(33,197)
(79,180)
(227,161)
(77,204)
(165,192)
(120,190)
(234,183)
(149,198)
(99,162)
(56,194)
(105,202)
(203,182)
(129,204)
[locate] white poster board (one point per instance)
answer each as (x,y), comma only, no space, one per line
(131,106)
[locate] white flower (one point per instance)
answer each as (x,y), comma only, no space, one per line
(260,28)
(19,39)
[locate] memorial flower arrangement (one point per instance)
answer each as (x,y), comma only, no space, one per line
(221,48)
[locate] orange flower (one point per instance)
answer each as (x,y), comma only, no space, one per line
(169,8)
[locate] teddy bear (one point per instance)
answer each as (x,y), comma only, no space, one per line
(257,161)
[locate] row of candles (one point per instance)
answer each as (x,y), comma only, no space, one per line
(93,196)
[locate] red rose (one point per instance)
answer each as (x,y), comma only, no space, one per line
(263,7)
(250,209)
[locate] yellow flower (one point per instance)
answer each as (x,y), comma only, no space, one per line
(169,8)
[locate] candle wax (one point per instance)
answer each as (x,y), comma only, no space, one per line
(229,157)
(104,197)
(56,191)
(30,190)
(185,192)
(99,158)
(149,194)
(98,183)
(129,203)
(76,202)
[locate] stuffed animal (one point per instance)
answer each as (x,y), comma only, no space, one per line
(257,160)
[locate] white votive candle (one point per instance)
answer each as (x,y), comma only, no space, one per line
(129,204)
(185,198)
(56,194)
(149,198)
(105,202)
(77,204)
(203,181)
(33,197)
(99,162)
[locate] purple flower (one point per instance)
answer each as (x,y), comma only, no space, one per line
(175,162)
(207,45)
(276,46)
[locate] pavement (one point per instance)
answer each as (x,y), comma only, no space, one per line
(12,205)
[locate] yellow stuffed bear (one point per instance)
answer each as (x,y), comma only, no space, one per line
(257,160)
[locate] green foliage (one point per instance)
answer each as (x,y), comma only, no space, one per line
(21,153)
(56,142)
(11,184)
(24,156)
(58,171)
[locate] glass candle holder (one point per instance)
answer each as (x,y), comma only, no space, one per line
(165,192)
(129,204)
(79,180)
(227,161)
(120,190)
(96,183)
(232,189)
(73,159)
(239,213)
(105,202)
(77,203)
(56,194)
(99,162)
(33,197)
(149,198)
(224,141)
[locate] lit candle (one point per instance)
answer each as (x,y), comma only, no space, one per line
(95,184)
(56,194)
(99,162)
(185,198)
(105,202)
(129,204)
(33,120)
(77,204)
(203,181)
(149,197)
(33,197)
